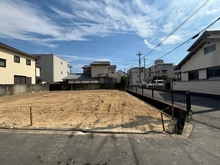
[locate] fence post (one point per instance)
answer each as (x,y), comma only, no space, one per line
(152,93)
(188,103)
(162,121)
(31,123)
(142,91)
(172,101)
(136,89)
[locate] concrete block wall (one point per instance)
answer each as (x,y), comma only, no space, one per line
(6,90)
(202,86)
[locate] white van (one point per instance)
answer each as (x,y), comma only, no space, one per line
(158,83)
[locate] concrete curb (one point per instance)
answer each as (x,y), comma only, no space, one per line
(81,130)
(187,130)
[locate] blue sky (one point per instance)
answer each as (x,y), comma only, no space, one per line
(82,31)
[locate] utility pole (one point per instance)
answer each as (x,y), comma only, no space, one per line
(139,54)
(144,70)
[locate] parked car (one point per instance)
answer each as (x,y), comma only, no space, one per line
(157,83)
(144,85)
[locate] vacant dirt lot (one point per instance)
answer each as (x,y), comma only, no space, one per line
(96,109)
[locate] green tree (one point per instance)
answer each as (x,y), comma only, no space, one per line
(124,79)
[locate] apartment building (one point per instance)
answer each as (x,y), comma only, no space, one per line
(134,76)
(16,66)
(52,68)
(159,69)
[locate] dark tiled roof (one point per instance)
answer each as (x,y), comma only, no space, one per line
(4,46)
(78,76)
(113,66)
(86,66)
(100,63)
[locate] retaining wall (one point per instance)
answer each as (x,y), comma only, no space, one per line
(201,86)
(6,90)
(179,114)
(90,86)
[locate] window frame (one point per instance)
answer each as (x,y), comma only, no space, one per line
(4,62)
(28,62)
(17,59)
(213,72)
(193,75)
(209,49)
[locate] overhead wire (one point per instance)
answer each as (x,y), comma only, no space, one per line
(195,36)
(172,32)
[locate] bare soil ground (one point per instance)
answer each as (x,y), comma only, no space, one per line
(93,109)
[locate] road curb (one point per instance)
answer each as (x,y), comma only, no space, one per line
(187,130)
(82,130)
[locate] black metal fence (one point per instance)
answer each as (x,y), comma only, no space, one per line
(177,98)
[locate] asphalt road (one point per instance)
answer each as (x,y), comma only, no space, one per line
(66,148)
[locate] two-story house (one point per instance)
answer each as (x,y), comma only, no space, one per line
(16,66)
(52,68)
(96,72)
(203,60)
(199,71)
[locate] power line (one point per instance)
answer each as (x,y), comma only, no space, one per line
(173,31)
(176,29)
(195,36)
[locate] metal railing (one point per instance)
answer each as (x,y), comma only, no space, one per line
(177,98)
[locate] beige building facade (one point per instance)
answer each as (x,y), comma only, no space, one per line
(17,67)
(96,72)
(134,76)
(52,68)
(159,69)
(203,60)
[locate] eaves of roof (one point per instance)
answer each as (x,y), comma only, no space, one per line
(100,63)
(207,36)
(7,47)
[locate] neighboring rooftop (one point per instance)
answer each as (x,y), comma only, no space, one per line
(47,54)
(4,46)
(78,76)
(86,66)
(100,63)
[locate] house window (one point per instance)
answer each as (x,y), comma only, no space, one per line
(17,59)
(28,62)
(210,48)
(61,63)
(194,75)
(61,72)
(2,62)
(213,72)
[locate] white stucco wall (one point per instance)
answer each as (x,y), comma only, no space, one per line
(115,76)
(202,74)
(60,68)
(201,60)
(202,86)
(53,68)
(99,69)
(12,68)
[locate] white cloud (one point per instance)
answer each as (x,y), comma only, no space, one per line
(81,58)
(149,45)
(173,39)
(78,20)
